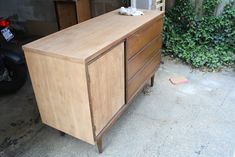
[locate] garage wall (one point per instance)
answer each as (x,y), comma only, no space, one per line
(41,10)
(36,17)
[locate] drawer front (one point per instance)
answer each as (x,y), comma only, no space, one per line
(137,41)
(137,62)
(137,82)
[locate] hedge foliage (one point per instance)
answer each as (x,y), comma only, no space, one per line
(201,40)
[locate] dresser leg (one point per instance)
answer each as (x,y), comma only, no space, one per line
(152,81)
(99,145)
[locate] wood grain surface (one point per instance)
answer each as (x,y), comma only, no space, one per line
(61,92)
(107,88)
(141,58)
(84,41)
(145,35)
(85,76)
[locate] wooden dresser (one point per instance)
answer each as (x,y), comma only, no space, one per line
(85,76)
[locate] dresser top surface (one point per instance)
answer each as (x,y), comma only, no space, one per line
(84,41)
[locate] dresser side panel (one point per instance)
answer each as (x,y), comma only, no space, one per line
(61,92)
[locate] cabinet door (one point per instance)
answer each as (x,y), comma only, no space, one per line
(107,91)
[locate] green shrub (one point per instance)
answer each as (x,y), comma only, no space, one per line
(201,41)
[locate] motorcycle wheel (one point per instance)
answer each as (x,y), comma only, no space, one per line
(18,77)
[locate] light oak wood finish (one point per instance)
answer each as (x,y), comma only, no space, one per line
(82,77)
(85,41)
(137,62)
(61,92)
(107,86)
(138,40)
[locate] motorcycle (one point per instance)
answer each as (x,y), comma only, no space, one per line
(12,65)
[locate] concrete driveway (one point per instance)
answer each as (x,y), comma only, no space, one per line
(187,120)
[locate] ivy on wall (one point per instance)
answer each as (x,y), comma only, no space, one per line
(201,41)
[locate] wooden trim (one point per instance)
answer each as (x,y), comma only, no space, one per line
(132,58)
(106,51)
(53,55)
(145,53)
(126,71)
(90,101)
(138,41)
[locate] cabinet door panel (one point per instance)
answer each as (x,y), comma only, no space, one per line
(107,91)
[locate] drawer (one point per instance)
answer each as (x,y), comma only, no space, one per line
(142,37)
(138,81)
(138,61)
